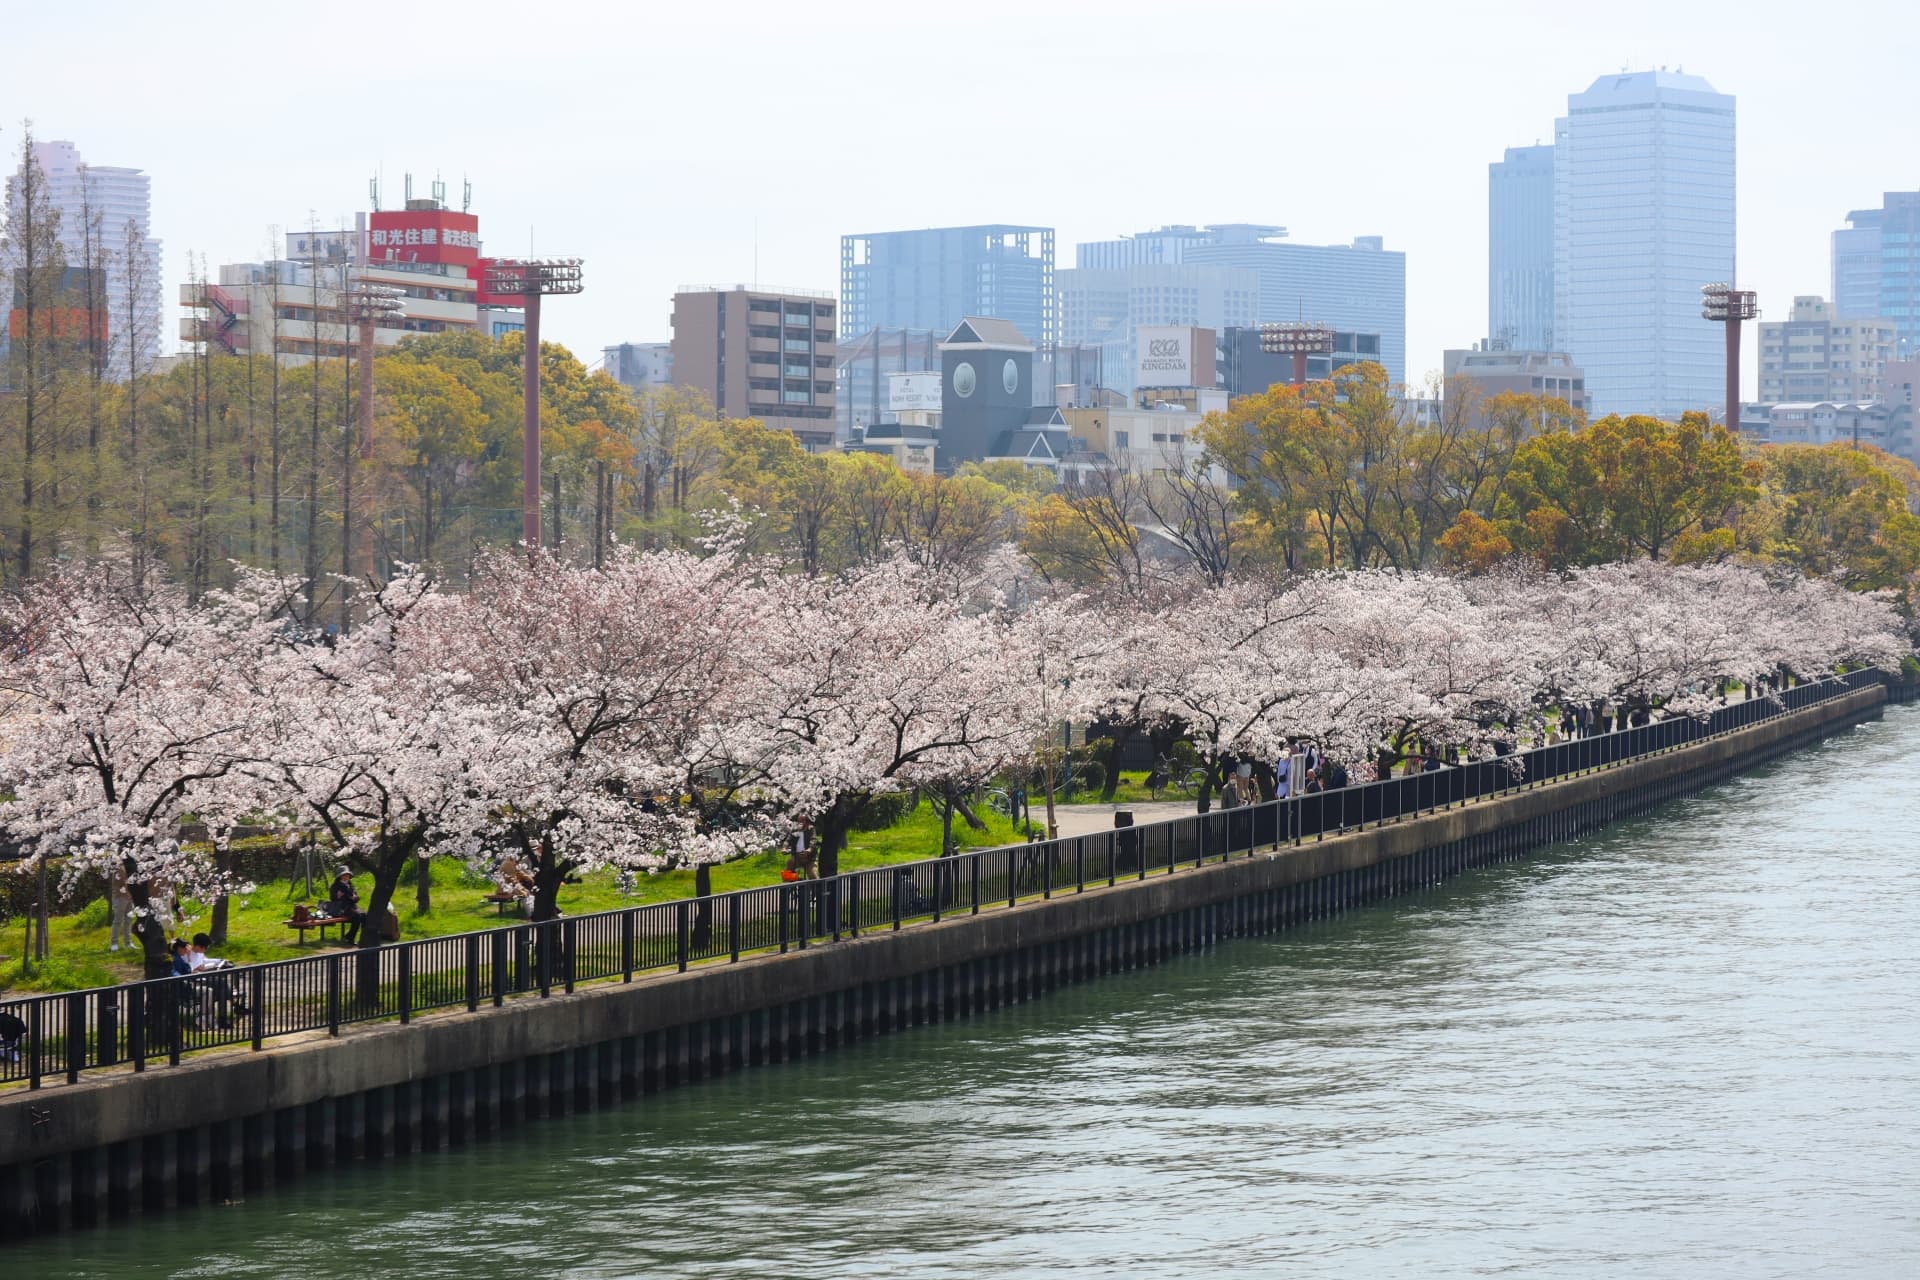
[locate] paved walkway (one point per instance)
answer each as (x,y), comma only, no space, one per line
(1086,819)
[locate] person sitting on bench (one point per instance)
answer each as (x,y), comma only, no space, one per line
(343,903)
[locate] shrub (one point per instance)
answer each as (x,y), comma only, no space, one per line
(1090,776)
(95,915)
(888,809)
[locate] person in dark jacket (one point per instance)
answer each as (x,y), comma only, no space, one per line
(343,903)
(182,958)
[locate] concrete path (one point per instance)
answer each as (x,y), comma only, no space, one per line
(1086,819)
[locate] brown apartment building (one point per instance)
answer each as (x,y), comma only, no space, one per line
(766,354)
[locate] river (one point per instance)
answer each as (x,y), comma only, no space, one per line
(1688,1046)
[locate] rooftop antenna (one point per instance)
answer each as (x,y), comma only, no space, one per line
(373,190)
(756,251)
(409,188)
(439,190)
(466,194)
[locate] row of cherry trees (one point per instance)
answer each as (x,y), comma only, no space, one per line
(674,709)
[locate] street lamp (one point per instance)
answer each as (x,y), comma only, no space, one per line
(1724,304)
(1298,340)
(532,279)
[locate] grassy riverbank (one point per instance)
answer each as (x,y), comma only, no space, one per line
(257,929)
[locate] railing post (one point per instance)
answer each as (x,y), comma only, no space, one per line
(257,1005)
(628,919)
(973,878)
(177,1020)
(333,994)
(76,1035)
(898,906)
(786,907)
(499,967)
(733,926)
(1080,864)
(680,927)
(569,940)
(836,905)
(1013,875)
(137,1024)
(1047,853)
(1113,858)
(473,972)
(35,1033)
(543,958)
(852,912)
(405,959)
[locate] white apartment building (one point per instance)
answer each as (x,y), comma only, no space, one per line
(1814,355)
(117,198)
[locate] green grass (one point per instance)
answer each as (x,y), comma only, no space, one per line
(257,929)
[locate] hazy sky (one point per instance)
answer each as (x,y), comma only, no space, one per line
(653,139)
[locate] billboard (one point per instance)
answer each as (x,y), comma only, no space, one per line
(914,392)
(423,235)
(1163,356)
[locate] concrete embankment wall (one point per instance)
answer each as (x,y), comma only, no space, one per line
(222,1126)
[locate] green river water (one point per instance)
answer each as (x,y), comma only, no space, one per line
(1687,1047)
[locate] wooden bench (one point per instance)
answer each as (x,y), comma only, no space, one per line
(501,899)
(322,923)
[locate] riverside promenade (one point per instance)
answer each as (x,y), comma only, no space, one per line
(546,1019)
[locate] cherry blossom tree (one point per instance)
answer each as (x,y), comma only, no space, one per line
(126,710)
(613,684)
(875,681)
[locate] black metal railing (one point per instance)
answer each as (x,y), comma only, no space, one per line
(140,1023)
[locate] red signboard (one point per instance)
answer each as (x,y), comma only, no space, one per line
(423,235)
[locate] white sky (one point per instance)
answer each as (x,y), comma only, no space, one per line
(653,139)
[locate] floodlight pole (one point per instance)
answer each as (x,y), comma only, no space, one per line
(531,279)
(1299,341)
(530,432)
(1726,305)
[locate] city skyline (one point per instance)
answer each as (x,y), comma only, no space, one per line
(553,176)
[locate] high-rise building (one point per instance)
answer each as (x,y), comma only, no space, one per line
(1495,370)
(760,354)
(1247,370)
(1876,265)
(1520,249)
(120,201)
(639,364)
(866,362)
(1644,216)
(1359,287)
(931,279)
(1107,307)
(1856,265)
(1814,355)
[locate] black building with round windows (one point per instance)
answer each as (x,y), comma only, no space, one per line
(987,405)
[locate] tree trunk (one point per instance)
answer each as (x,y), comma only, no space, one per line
(967,814)
(217,927)
(423,887)
(1119,735)
(702,906)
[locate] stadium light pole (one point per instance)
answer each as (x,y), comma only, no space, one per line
(1298,340)
(531,279)
(1724,304)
